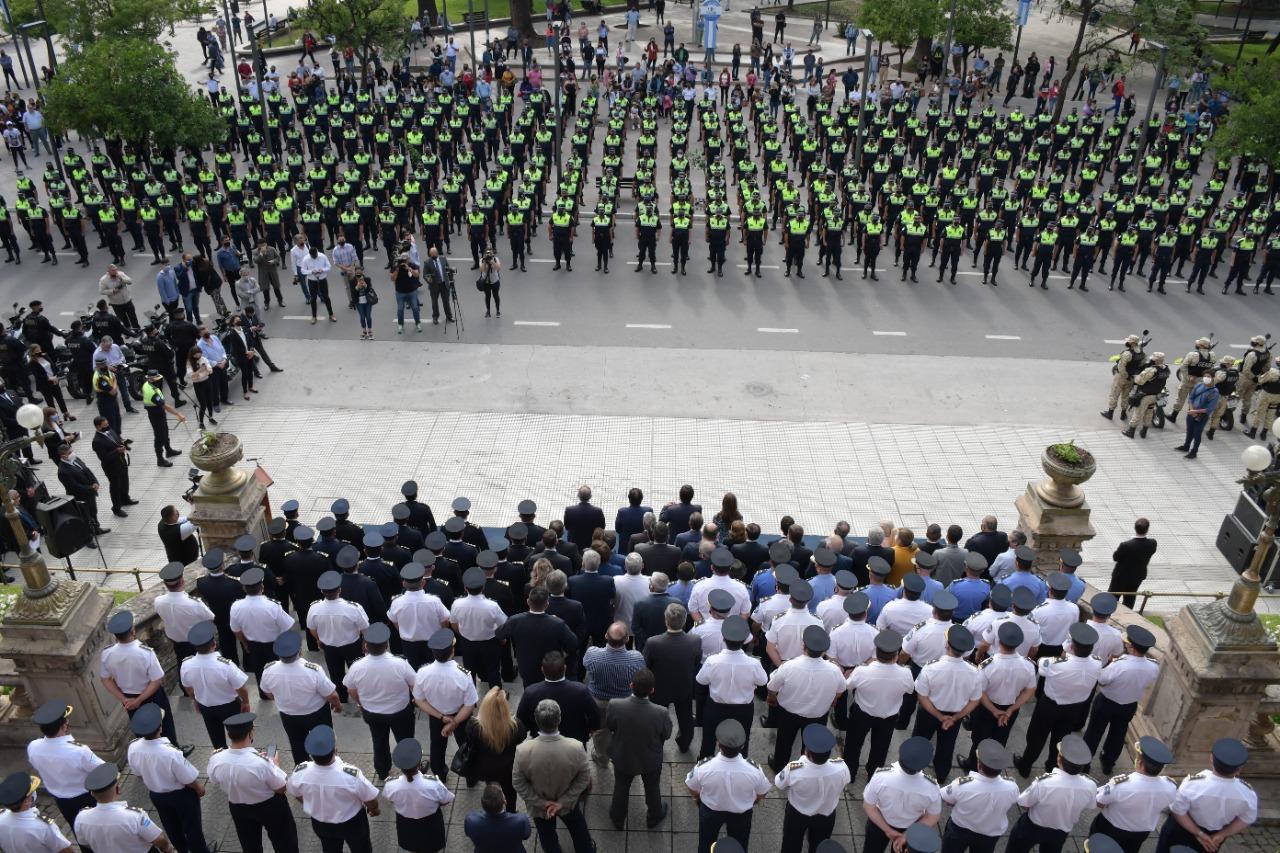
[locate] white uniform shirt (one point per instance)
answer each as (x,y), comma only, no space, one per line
(927,642)
(1110,641)
(727,784)
(901,615)
(698,605)
(787,631)
(384,682)
(30,832)
(245,775)
(813,789)
(417,615)
(1126,678)
(902,798)
(445,686)
(62,764)
(331,793)
(1213,801)
(161,765)
(853,643)
(421,796)
(1055,617)
(1030,632)
(771,608)
(478,618)
(132,665)
(1005,676)
(807,686)
(299,687)
(732,677)
(1134,802)
(950,683)
(1069,679)
(878,687)
(981,804)
(213,679)
(180,613)
(260,619)
(116,827)
(336,621)
(710,632)
(831,612)
(1056,800)
(980,621)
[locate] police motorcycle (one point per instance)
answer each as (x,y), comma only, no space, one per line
(132,372)
(60,357)
(1136,366)
(1228,419)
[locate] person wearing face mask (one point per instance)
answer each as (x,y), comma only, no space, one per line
(1200,405)
(236,343)
(81,485)
(213,350)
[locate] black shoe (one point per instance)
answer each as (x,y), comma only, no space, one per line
(102,531)
(163,463)
(1172,417)
(129,502)
(1191,455)
(1142,433)
(1209,435)
(1127,434)
(179,404)
(213,420)
(1109,414)
(1181,447)
(172,453)
(119,513)
(662,815)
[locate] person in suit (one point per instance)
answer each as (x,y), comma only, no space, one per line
(236,343)
(988,541)
(676,515)
(579,714)
(630,519)
(551,552)
(595,593)
(81,485)
(551,774)
(1132,558)
(874,547)
(647,523)
(10,402)
(660,555)
(535,633)
(493,827)
(691,537)
(565,546)
(219,591)
(572,612)
(801,555)
(640,729)
(113,453)
(437,270)
(675,657)
(583,519)
(748,549)
(649,614)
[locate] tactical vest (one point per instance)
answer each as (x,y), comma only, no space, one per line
(1156,384)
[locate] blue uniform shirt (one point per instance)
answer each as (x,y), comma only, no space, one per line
(971,593)
(1077,588)
(824,586)
(1031,581)
(931,587)
(880,595)
(763,585)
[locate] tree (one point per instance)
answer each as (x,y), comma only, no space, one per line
(365,26)
(522,17)
(130,89)
(1252,126)
(84,21)
(900,22)
(983,23)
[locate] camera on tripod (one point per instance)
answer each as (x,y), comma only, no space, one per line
(195,476)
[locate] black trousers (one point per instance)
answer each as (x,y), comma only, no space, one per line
(860,725)
(789,725)
(710,822)
(337,659)
(876,841)
(484,659)
(399,724)
(354,834)
(684,722)
(118,485)
(228,645)
(622,790)
(1027,834)
(274,816)
(908,706)
(440,294)
(161,700)
(297,726)
(1052,722)
(213,717)
(1129,841)
(1112,718)
(159,429)
(957,839)
(72,807)
(416,652)
(257,656)
(1173,835)
(796,827)
(982,725)
(422,834)
(927,726)
(440,745)
(179,814)
(713,713)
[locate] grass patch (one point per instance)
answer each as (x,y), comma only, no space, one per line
(1225,52)
(1261,10)
(841,10)
(1154,620)
(10,592)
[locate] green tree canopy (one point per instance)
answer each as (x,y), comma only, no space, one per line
(84,21)
(900,22)
(1253,126)
(362,25)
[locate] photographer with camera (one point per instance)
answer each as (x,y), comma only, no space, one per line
(489,282)
(408,281)
(114,286)
(439,274)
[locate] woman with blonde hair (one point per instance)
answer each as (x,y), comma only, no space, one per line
(541,569)
(494,733)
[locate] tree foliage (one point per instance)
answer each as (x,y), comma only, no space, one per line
(978,23)
(900,22)
(85,21)
(1253,125)
(983,24)
(363,25)
(131,89)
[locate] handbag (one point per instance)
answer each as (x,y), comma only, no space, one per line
(481,284)
(372,296)
(461,761)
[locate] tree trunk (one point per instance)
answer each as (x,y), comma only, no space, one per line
(428,8)
(522,17)
(923,45)
(1073,60)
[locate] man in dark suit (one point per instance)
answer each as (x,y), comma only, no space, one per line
(873,547)
(579,716)
(535,633)
(567,609)
(582,519)
(640,728)
(437,270)
(113,453)
(81,485)
(595,593)
(691,546)
(751,553)
(1132,558)
(647,523)
(219,591)
(659,555)
(988,541)
(564,546)
(10,402)
(683,538)
(630,519)
(548,551)
(675,658)
(801,556)
(676,515)
(648,615)
(495,828)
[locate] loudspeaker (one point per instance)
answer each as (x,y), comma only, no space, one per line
(1250,515)
(1235,542)
(65,528)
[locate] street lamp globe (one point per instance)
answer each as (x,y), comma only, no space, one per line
(1275,425)
(1256,458)
(30,416)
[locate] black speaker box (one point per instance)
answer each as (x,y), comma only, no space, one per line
(65,528)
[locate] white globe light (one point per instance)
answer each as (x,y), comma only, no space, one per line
(30,416)
(1256,458)
(1275,426)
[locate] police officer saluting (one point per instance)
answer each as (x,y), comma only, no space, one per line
(62,763)
(131,672)
(726,788)
(258,622)
(22,827)
(334,794)
(899,795)
(172,781)
(113,824)
(158,410)
(446,693)
(337,625)
(381,684)
(980,803)
(216,684)
(254,785)
(814,786)
(304,696)
(1132,803)
(1212,805)
(417,798)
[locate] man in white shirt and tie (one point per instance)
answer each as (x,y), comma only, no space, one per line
(315,271)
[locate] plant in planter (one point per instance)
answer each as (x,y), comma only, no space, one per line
(217,453)
(1067,467)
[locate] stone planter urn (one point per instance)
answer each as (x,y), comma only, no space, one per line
(216,454)
(1061,486)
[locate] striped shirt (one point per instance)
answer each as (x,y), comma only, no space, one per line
(609,671)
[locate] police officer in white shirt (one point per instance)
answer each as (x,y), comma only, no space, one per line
(22,827)
(731,677)
(254,785)
(60,761)
(258,621)
(721,563)
(899,795)
(179,611)
(831,610)
(803,690)
(726,787)
(304,695)
(382,685)
(113,826)
(710,631)
(924,644)
(1212,805)
(1008,683)
(785,638)
(814,786)
(216,684)
(170,779)
(447,694)
(878,688)
(1055,615)
(853,643)
(476,618)
(417,615)
(131,672)
(1023,601)
(336,625)
(980,803)
(1120,685)
(780,602)
(1055,801)
(1069,680)
(903,614)
(949,689)
(1110,641)
(1132,804)
(417,798)
(335,795)
(998,604)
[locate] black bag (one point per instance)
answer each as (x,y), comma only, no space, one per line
(371,295)
(461,761)
(481,284)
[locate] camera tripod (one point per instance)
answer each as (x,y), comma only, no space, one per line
(458,325)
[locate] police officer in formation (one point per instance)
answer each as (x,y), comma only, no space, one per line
(172,781)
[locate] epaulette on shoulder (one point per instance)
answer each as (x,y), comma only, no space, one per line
(351,771)
(310,665)
(271,663)
(1246,784)
(926,774)
(919,624)
(963,779)
(1120,780)
(1042,777)
(704,761)
(463,670)
(795,765)
(301,766)
(221,659)
(1195,776)
(219,749)
(883,770)
(397,595)
(985,661)
(46,819)
(752,762)
(138,810)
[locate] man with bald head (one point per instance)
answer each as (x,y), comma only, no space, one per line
(610,669)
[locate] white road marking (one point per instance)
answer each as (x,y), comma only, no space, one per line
(536,323)
(889,334)
(67,314)
(1239,346)
(1003,337)
(774,331)
(648,326)
(1113,341)
(762,266)
(296,317)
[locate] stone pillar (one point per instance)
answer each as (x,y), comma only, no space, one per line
(1053,513)
(229,501)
